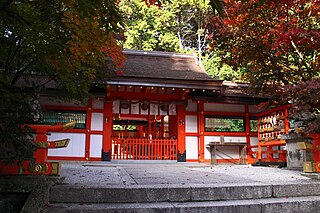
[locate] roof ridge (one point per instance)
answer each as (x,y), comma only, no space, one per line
(160,53)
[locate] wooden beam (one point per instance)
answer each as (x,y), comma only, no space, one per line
(146,95)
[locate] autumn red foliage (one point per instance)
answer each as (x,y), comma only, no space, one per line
(276,46)
(153,2)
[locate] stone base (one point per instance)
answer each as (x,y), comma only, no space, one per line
(315,176)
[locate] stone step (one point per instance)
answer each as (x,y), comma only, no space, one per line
(306,204)
(178,193)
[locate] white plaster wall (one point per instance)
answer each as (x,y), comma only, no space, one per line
(154,109)
(191,124)
(76,147)
(233,139)
(231,151)
(253,141)
(227,152)
(207,140)
(97,121)
(192,106)
(213,107)
(135,108)
(95,145)
(115,106)
(97,104)
(191,148)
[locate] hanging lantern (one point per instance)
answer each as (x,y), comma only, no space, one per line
(124,104)
(164,107)
(144,105)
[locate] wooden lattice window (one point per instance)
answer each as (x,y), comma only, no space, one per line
(253,124)
(53,117)
(224,124)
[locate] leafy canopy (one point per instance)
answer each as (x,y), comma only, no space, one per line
(50,45)
(275,43)
(148,27)
(175,25)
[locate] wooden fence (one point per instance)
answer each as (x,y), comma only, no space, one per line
(266,153)
(143,149)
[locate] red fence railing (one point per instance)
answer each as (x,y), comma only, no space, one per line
(266,153)
(143,149)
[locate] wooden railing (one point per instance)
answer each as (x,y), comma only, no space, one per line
(266,154)
(143,149)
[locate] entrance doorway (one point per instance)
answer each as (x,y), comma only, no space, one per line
(142,138)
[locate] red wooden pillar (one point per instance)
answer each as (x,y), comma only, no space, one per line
(247,122)
(283,156)
(107,131)
(149,126)
(154,133)
(181,137)
(41,154)
(248,127)
(140,131)
(316,152)
(286,120)
(201,131)
(162,128)
(88,128)
(173,126)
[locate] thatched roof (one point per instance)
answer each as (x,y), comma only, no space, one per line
(151,68)
(164,69)
(163,65)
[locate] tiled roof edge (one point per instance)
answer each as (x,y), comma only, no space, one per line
(235,84)
(161,54)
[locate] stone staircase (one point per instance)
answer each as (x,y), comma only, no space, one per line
(225,198)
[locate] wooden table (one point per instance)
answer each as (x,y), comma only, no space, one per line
(241,148)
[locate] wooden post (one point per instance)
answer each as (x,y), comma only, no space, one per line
(286,120)
(162,129)
(181,137)
(149,126)
(41,154)
(248,130)
(154,133)
(88,128)
(173,126)
(107,132)
(201,131)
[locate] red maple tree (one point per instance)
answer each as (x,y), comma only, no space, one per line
(276,46)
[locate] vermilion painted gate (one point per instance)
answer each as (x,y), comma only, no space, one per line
(144,149)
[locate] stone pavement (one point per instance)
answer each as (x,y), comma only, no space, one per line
(145,187)
(165,187)
(91,174)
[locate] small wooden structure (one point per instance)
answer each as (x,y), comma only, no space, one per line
(271,149)
(242,153)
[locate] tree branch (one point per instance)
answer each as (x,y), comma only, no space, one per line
(20,17)
(297,50)
(300,55)
(46,82)
(20,72)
